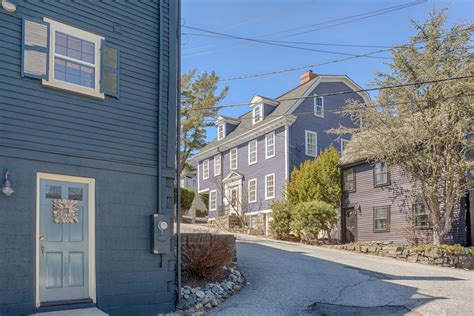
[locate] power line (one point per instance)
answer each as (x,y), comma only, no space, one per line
(358,16)
(344,92)
(361,108)
(301,43)
(269,73)
(280,45)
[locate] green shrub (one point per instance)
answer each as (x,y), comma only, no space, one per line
(187,197)
(317,179)
(205,199)
(310,218)
(456,249)
(280,225)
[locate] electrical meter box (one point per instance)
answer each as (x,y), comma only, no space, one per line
(161,234)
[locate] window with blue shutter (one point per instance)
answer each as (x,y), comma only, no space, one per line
(35,49)
(110,74)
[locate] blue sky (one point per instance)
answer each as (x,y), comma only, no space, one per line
(259,18)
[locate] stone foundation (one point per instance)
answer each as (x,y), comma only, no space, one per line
(432,257)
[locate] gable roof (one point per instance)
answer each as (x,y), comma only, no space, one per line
(287,102)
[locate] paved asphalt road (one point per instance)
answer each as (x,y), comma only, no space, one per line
(293,279)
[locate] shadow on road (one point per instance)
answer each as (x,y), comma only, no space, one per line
(287,282)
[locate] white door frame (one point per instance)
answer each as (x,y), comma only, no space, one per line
(91,209)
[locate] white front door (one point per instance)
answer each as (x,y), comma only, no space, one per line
(65,240)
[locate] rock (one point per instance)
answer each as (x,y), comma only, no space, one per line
(413,258)
(200,294)
(193,291)
(208,305)
(434,253)
(186,291)
(199,306)
(237,288)
(214,302)
(372,249)
(186,296)
(190,301)
(237,272)
(364,249)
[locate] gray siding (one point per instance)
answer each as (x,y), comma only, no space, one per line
(308,121)
(115,141)
(255,171)
(398,198)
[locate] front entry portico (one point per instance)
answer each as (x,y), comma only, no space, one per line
(232,198)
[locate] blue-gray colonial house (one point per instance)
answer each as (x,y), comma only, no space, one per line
(245,168)
(87,106)
(377,204)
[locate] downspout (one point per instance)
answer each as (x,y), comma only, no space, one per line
(343,215)
(178,149)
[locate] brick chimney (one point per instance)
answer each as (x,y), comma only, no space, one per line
(307,76)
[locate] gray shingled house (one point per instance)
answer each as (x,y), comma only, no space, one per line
(245,168)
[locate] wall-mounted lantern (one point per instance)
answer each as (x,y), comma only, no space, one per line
(7,185)
(8,5)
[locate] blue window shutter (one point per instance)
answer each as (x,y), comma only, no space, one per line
(35,49)
(110,69)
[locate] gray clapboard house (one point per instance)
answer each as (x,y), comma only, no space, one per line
(377,204)
(245,168)
(87,103)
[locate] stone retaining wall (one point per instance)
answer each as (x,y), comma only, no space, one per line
(432,257)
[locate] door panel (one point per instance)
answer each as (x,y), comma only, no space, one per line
(63,253)
(351,225)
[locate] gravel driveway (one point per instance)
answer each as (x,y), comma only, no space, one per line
(293,279)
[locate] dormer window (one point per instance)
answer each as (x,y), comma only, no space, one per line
(220,131)
(257,113)
(318,106)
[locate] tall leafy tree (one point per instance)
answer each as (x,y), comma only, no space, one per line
(199,97)
(425,129)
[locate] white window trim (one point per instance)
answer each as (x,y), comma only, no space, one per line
(266,145)
(223,131)
(217,171)
(266,188)
(205,166)
(260,107)
(306,133)
(67,86)
(249,200)
(256,152)
(315,105)
(343,141)
(236,159)
(211,193)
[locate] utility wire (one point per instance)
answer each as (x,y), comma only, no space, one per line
(281,45)
(459,96)
(360,16)
(343,92)
(300,43)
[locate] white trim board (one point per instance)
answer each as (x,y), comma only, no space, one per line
(91,208)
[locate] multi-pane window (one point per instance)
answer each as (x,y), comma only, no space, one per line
(252,191)
(381,176)
(74,60)
(213,200)
(269,186)
(421,216)
(319,106)
(344,143)
(381,219)
(252,148)
(253,221)
(233,158)
(217,165)
(311,140)
(348,180)
(257,114)
(220,131)
(205,169)
(270,145)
